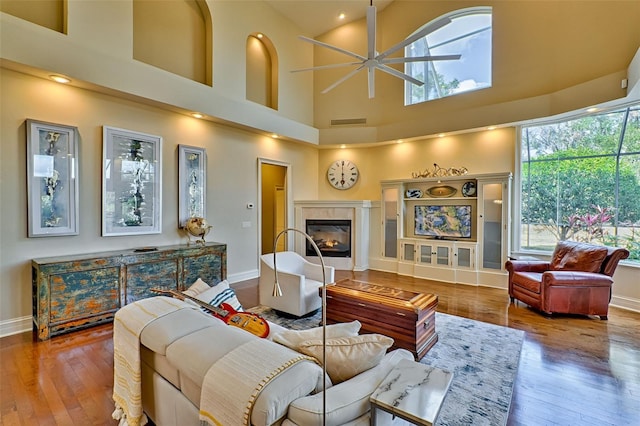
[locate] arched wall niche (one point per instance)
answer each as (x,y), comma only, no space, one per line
(175,37)
(262,71)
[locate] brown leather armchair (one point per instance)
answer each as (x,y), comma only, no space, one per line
(577,279)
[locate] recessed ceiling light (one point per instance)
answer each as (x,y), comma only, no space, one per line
(441,135)
(259,35)
(275,135)
(196,115)
(59,79)
(343,146)
(399,141)
(491,128)
(341,15)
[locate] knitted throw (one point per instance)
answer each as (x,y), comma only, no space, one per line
(128,323)
(233,383)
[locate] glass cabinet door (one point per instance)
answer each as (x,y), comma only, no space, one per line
(492,224)
(464,257)
(390,221)
(408,251)
(424,253)
(442,255)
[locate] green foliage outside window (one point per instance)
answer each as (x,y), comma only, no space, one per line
(581,181)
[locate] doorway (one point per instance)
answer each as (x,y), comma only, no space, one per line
(274,204)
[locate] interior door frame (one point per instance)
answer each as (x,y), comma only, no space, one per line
(289,200)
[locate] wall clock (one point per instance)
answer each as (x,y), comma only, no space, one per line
(342,174)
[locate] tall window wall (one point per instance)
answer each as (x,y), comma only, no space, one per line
(468,34)
(580,181)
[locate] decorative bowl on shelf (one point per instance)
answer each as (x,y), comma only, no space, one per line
(413,193)
(442,191)
(469,189)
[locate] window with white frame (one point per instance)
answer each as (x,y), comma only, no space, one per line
(468,34)
(580,181)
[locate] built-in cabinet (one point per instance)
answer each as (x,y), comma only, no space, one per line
(74,292)
(452,229)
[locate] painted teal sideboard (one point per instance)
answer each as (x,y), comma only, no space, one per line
(79,291)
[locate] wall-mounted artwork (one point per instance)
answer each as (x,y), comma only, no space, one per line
(131,182)
(52,179)
(192,179)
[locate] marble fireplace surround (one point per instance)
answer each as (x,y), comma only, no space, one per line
(359,212)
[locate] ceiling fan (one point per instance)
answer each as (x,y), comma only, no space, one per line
(380,61)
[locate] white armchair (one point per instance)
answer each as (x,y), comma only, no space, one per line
(299,279)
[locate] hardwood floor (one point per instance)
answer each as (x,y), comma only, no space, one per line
(573,370)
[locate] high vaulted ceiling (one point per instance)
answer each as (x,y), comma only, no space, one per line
(319,16)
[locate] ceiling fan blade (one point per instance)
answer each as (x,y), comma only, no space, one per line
(399,74)
(420,59)
(329,46)
(371,32)
(372,81)
(423,32)
(343,79)
(324,67)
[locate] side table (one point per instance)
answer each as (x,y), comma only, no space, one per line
(412,391)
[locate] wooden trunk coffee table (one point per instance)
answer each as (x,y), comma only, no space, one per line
(406,316)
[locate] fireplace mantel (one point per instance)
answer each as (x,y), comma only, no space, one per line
(356,211)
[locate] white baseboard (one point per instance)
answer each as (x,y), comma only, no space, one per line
(15,325)
(625,303)
(243,276)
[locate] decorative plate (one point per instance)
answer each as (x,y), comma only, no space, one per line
(442,191)
(413,193)
(469,189)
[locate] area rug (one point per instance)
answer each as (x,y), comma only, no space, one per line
(483,357)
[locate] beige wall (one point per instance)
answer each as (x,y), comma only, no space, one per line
(490,151)
(232,178)
(540,49)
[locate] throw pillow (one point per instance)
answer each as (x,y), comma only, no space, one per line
(196,288)
(220,293)
(293,338)
(349,356)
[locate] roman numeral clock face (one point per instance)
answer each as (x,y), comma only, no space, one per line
(342,174)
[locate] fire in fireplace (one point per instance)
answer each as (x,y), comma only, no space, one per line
(333,237)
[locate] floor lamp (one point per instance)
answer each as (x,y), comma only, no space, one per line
(277,292)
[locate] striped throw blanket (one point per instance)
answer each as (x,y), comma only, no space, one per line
(128,323)
(233,383)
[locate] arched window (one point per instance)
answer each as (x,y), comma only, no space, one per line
(262,71)
(468,34)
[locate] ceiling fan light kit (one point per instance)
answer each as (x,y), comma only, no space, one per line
(379,61)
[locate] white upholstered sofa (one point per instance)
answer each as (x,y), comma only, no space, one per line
(178,349)
(299,280)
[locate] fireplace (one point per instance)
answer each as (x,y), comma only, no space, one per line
(333,237)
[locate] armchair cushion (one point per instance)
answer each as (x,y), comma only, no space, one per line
(574,256)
